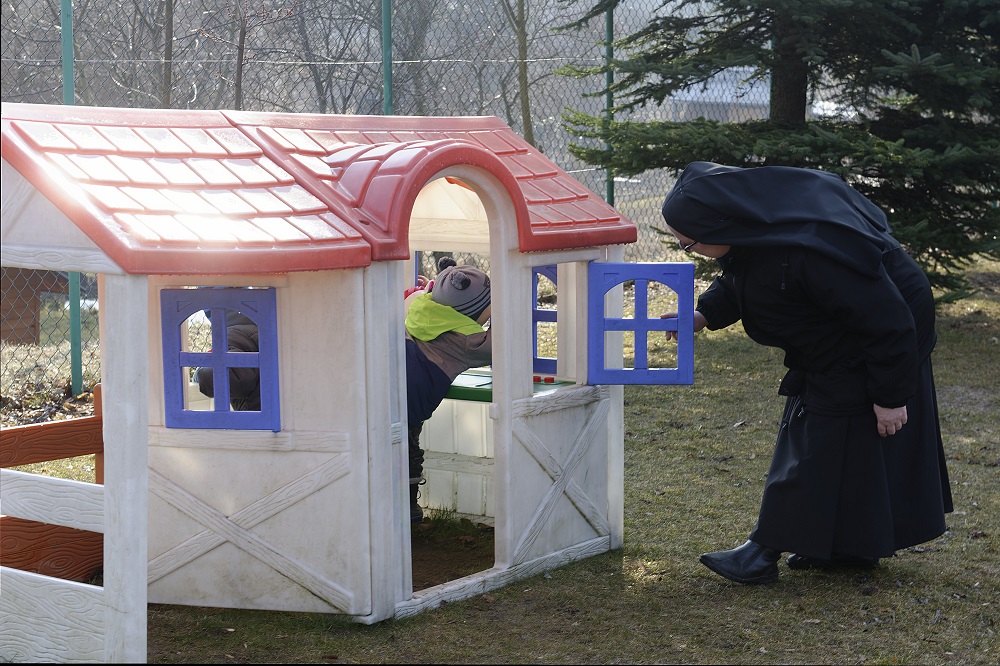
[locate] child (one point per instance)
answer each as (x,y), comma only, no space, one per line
(423,284)
(244,383)
(444,338)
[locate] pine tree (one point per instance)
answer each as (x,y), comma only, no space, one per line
(916,82)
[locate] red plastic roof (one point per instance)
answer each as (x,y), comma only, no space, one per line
(189,192)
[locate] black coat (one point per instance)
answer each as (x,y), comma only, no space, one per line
(850,341)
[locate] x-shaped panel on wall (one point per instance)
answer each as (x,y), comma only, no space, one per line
(561,473)
(237,529)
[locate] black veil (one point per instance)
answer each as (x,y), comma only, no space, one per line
(776,206)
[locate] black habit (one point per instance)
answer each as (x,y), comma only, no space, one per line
(814,271)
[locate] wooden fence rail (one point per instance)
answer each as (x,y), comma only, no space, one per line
(60,551)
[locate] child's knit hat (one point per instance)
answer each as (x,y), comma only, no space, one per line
(464,288)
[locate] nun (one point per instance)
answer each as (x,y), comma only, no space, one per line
(809,265)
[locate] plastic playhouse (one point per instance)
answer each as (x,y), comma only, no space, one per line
(309,224)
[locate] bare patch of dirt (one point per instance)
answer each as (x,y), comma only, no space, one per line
(985,281)
(445,550)
(968,400)
(40,402)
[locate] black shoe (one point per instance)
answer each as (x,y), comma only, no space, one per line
(837,562)
(750,564)
(416,513)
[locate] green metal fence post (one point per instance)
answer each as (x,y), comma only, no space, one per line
(69,98)
(387,57)
(609,98)
(66,22)
(75,334)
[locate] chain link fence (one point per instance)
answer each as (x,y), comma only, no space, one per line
(482,57)
(38,315)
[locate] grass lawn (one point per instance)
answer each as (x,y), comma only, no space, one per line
(695,461)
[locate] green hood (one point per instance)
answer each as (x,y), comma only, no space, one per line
(427,319)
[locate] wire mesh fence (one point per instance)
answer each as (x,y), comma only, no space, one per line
(482,57)
(36,324)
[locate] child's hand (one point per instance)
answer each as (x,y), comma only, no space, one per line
(422,281)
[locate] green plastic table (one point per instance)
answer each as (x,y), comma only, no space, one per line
(476,385)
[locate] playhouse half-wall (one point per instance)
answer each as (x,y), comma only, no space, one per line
(255,518)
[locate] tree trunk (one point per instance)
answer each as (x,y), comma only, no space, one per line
(522,74)
(168,55)
(519,22)
(789,76)
(240,59)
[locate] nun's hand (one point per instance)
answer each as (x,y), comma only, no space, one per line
(699,323)
(890,419)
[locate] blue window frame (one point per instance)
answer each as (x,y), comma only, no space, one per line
(543,364)
(259,305)
(603,277)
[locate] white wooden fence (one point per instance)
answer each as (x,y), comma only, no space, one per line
(45,619)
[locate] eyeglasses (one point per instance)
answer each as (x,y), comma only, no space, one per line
(688,246)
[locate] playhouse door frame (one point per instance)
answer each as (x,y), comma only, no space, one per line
(519,554)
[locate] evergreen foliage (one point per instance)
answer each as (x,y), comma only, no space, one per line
(915,85)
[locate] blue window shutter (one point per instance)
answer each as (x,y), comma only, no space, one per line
(260,305)
(602,278)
